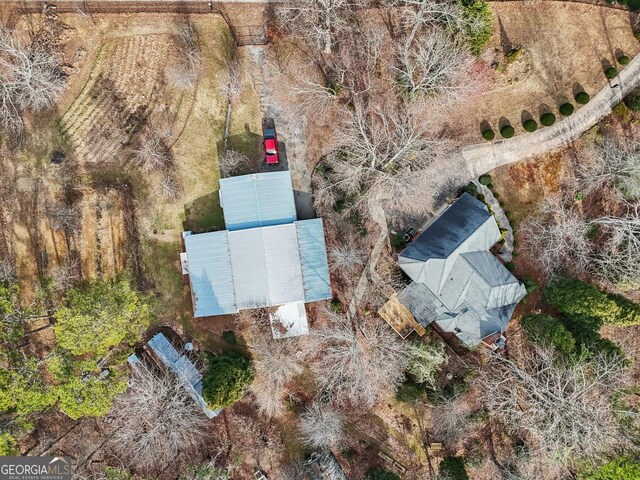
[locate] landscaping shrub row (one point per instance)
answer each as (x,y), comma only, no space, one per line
(546,119)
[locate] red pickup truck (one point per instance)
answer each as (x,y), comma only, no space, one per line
(271,146)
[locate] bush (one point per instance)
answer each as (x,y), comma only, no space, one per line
(623,60)
(574,297)
(8,445)
(547,119)
(530,125)
(226,379)
(453,468)
(507,131)
(566,109)
(510,266)
(409,391)
(632,101)
(488,134)
(544,329)
(582,98)
(530,284)
(477,13)
(623,468)
(620,109)
(378,473)
(485,179)
(229,336)
(611,73)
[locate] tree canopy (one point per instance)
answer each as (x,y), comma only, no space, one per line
(226,379)
(547,330)
(623,468)
(100,315)
(574,297)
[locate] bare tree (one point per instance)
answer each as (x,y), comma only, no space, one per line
(63,217)
(8,270)
(565,405)
(379,152)
(318,22)
(30,79)
(157,420)
(321,427)
(617,258)
(185,74)
(169,186)
(314,95)
(357,363)
(231,162)
(449,418)
(276,363)
(425,360)
(558,238)
(66,274)
(346,256)
(152,153)
(435,63)
(614,164)
(231,80)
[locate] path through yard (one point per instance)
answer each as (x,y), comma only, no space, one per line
(481,158)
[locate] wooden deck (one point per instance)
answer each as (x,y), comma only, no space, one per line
(400,318)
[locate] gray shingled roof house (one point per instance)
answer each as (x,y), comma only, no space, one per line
(457,283)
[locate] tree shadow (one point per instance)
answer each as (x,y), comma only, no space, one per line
(525,115)
(544,108)
(484,126)
(204,214)
(505,43)
(605,63)
(503,122)
(577,88)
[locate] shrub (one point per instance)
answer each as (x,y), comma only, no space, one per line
(620,109)
(547,119)
(507,131)
(530,125)
(566,109)
(510,266)
(485,179)
(579,196)
(574,297)
(453,468)
(229,336)
(226,379)
(530,284)
(582,98)
(633,6)
(623,60)
(632,101)
(398,242)
(8,445)
(611,72)
(513,55)
(623,468)
(409,391)
(547,330)
(478,13)
(488,134)
(378,473)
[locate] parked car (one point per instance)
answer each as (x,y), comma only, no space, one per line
(270,146)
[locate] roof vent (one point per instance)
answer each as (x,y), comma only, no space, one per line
(188,346)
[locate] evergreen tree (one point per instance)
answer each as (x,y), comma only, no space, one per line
(226,379)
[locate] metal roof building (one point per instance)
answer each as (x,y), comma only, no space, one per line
(457,283)
(265,259)
(182,367)
(257,200)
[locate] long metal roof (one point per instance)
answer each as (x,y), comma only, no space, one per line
(313,260)
(210,274)
(257,200)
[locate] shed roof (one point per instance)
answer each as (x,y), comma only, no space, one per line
(313,260)
(210,274)
(183,368)
(257,200)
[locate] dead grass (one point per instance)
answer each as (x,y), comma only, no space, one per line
(565,45)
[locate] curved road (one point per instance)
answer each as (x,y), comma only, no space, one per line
(481,158)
